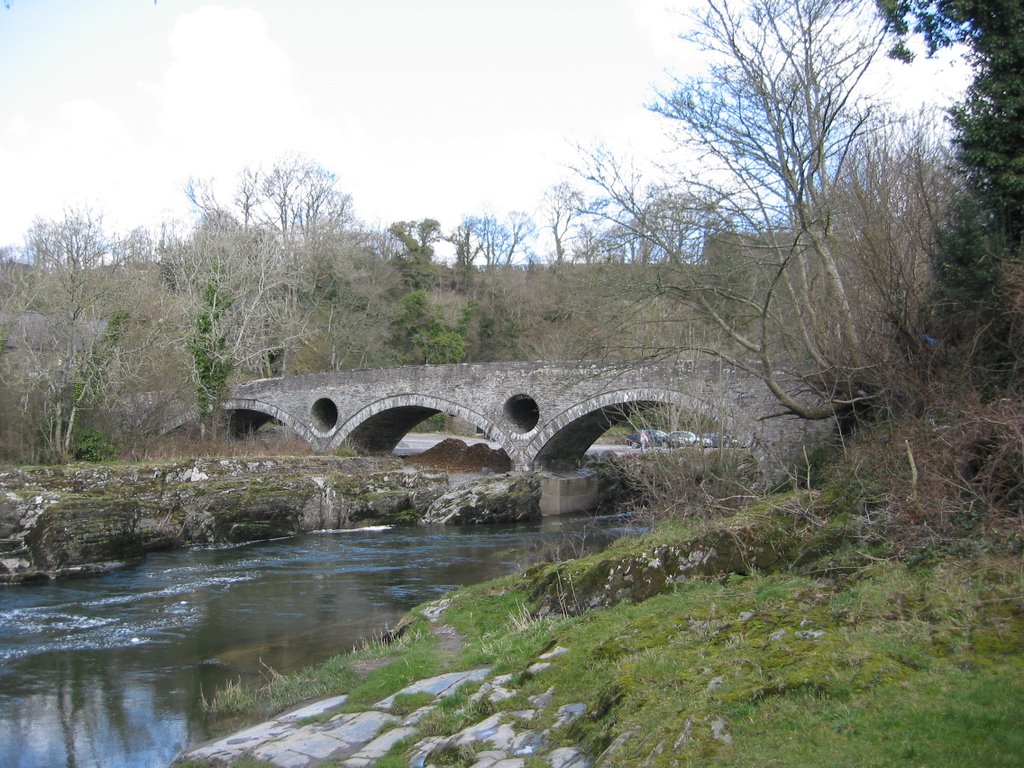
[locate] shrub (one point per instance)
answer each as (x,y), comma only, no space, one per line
(690,482)
(94,446)
(944,481)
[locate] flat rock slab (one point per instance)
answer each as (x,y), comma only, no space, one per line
(315,709)
(359,728)
(361,739)
(439,686)
(286,743)
(490,731)
(237,744)
(300,748)
(377,748)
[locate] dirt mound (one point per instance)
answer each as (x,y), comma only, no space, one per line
(454,455)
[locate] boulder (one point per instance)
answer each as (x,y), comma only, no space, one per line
(497,499)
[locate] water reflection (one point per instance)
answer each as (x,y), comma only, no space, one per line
(109,671)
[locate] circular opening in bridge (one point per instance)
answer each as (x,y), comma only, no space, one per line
(325,414)
(522,411)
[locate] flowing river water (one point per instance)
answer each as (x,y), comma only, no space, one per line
(110,671)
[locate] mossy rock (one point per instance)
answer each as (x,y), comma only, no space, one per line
(86,517)
(259,512)
(92,529)
(758,540)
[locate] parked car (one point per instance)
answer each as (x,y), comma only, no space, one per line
(716,440)
(656,438)
(682,439)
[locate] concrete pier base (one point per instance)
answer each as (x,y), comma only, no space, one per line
(563,493)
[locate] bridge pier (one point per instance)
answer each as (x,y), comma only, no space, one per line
(563,493)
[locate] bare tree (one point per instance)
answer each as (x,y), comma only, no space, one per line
(76,318)
(500,243)
(559,210)
(298,223)
(247,196)
(81,337)
(891,200)
(521,232)
(297,198)
(768,131)
(136,248)
(590,246)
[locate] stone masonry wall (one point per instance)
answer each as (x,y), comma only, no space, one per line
(524,405)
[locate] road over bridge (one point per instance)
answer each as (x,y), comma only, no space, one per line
(544,414)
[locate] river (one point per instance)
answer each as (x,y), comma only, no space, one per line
(110,670)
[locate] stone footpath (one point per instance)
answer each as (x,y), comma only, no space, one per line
(356,740)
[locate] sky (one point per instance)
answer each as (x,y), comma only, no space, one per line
(423,108)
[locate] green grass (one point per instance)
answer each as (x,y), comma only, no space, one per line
(416,657)
(945,716)
(898,678)
(915,667)
(407,703)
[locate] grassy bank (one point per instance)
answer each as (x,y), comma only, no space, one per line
(771,636)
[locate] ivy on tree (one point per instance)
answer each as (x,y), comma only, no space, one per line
(208,349)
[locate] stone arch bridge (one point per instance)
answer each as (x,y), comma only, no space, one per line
(545,415)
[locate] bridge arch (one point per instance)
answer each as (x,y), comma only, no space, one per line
(564,439)
(379,426)
(246,407)
(178,420)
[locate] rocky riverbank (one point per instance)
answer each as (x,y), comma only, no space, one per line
(80,519)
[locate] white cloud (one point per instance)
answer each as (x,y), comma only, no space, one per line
(80,154)
(228,96)
(937,81)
